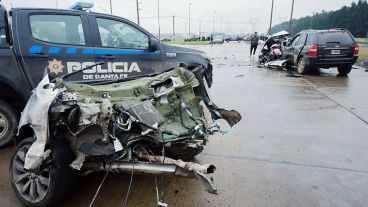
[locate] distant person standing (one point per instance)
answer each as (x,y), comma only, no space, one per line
(254,43)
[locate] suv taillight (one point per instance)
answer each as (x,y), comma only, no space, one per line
(356,50)
(313,51)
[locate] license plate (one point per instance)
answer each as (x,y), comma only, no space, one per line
(335,52)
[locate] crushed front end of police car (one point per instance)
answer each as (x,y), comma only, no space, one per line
(152,124)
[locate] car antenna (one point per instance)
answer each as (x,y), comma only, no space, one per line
(78,71)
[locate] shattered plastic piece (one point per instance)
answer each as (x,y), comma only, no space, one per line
(161,204)
(276,63)
(36,114)
(232,117)
(117,145)
(66,97)
(190,77)
(78,162)
(207,182)
(89,113)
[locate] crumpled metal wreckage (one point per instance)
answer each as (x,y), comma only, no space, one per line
(152,125)
(271,54)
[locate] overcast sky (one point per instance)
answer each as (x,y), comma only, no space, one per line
(231,16)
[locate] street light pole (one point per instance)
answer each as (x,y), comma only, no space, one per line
(213,26)
(269,30)
(199,33)
(173,28)
(291,16)
(190,4)
(158,18)
(221,26)
(110,7)
(138,11)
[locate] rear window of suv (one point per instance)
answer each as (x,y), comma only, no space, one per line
(334,37)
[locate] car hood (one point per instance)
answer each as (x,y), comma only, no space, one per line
(280,34)
(276,36)
(172,48)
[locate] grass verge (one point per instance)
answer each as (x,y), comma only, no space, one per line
(363,53)
(362,41)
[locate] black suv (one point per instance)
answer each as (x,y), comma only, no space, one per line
(313,49)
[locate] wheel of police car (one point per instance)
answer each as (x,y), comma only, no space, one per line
(8,123)
(48,184)
(344,70)
(302,67)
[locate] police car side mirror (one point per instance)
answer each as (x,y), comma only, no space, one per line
(154,45)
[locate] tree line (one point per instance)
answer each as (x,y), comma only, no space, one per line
(353,18)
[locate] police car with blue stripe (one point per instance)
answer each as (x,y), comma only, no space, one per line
(61,42)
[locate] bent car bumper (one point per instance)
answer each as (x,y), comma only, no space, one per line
(330,62)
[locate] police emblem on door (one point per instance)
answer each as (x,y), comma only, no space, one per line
(55,66)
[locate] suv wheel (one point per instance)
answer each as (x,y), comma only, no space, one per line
(302,67)
(48,184)
(8,123)
(344,70)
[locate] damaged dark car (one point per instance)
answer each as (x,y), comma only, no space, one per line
(151,124)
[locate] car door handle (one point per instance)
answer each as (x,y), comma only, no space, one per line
(38,55)
(111,57)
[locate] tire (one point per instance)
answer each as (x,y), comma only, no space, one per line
(303,68)
(8,123)
(344,70)
(183,151)
(52,182)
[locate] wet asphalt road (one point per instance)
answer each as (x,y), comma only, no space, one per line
(302,142)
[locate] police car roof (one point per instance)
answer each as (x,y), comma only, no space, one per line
(45,9)
(64,10)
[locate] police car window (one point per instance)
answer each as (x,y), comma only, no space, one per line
(62,29)
(120,35)
(80,33)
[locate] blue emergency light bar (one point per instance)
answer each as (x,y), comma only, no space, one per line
(81,5)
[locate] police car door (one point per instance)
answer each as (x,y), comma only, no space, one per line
(125,49)
(52,40)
